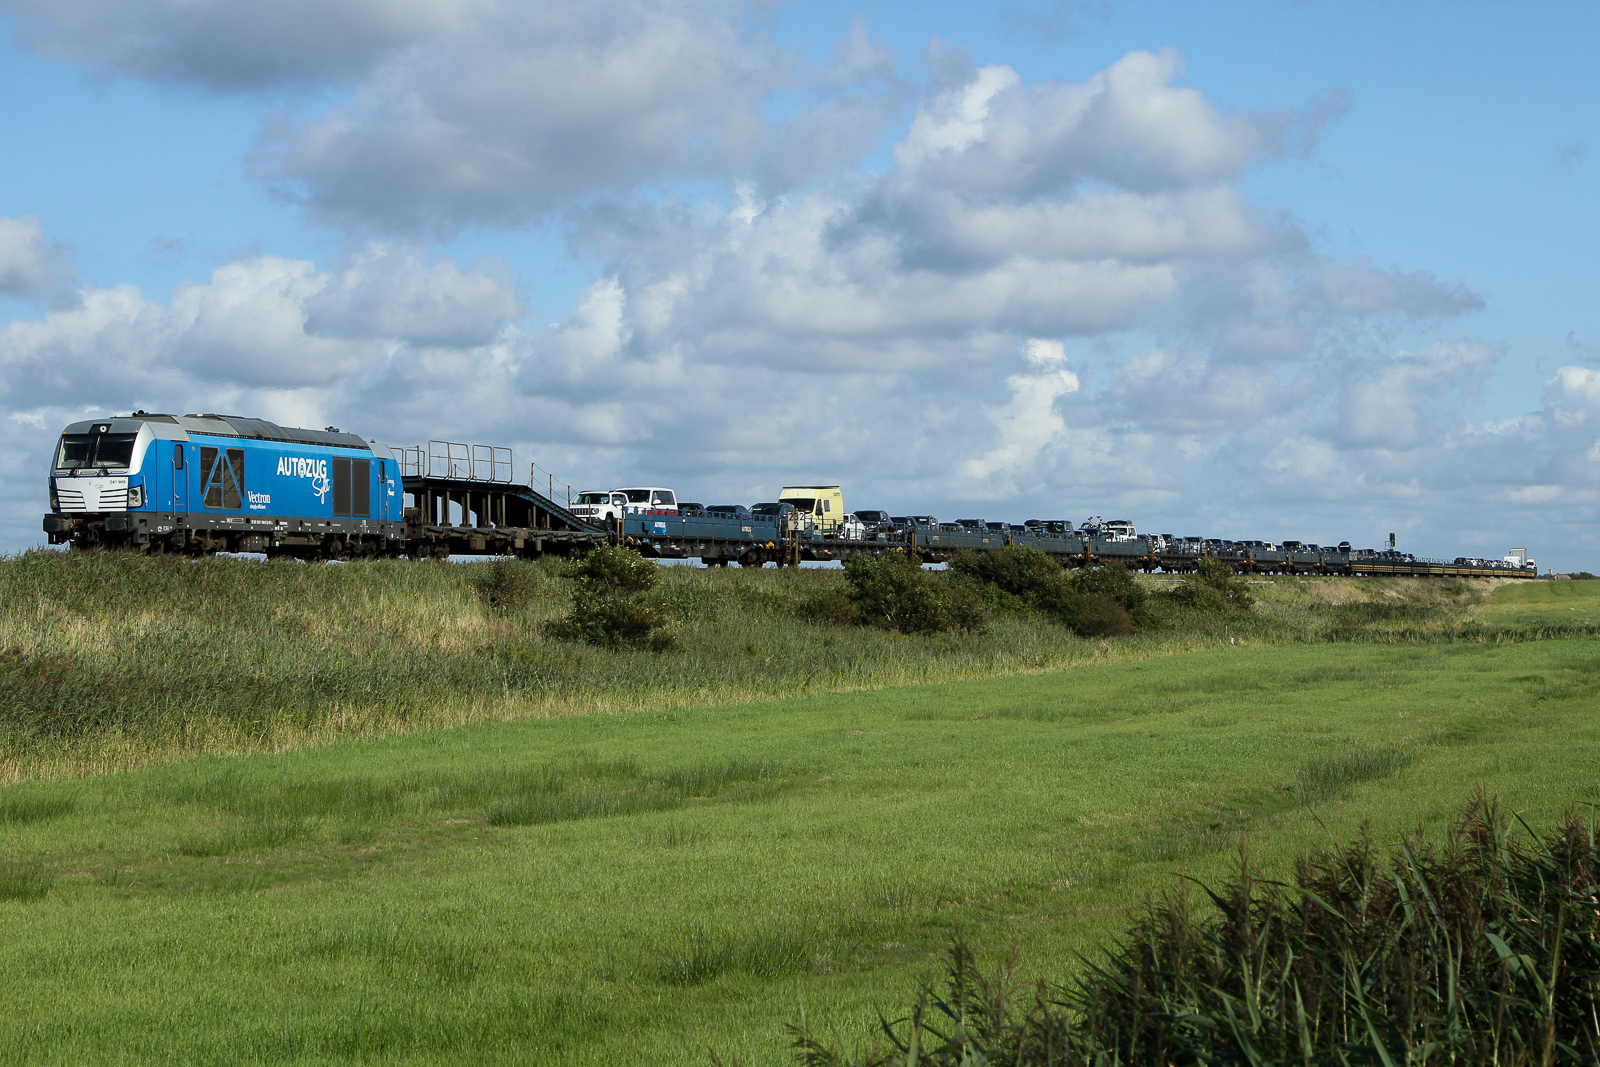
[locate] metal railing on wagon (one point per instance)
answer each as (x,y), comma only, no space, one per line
(454,460)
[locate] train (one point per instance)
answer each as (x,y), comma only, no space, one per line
(203,484)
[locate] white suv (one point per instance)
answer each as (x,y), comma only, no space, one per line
(597,507)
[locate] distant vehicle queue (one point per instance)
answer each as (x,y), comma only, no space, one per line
(201,484)
(816,512)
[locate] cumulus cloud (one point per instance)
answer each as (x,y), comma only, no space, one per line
(468,111)
(28,266)
(1127,126)
(527,106)
(989,228)
(1408,399)
(256,329)
(1029,425)
(398,292)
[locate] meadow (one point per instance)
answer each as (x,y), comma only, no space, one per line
(373,814)
(642,885)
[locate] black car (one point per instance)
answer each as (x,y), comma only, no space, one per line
(690,511)
(771,509)
(872,519)
(729,511)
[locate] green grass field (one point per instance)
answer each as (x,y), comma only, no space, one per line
(1545,604)
(637,886)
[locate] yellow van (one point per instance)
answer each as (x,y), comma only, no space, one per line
(824,503)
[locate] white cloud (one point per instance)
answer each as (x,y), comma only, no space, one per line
(527,106)
(454,112)
(1027,426)
(245,334)
(28,267)
(1127,126)
(396,292)
(1411,399)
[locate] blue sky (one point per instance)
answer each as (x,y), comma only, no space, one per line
(1244,269)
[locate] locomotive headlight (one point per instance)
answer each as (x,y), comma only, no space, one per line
(55,501)
(135,496)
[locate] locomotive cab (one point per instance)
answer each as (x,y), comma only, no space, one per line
(108,465)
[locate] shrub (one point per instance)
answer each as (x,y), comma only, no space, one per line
(962,604)
(1215,588)
(1486,950)
(612,570)
(1113,581)
(831,606)
(613,605)
(1097,616)
(894,592)
(1021,571)
(1022,576)
(508,585)
(1100,601)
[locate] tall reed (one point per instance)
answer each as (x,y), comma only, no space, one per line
(1485,950)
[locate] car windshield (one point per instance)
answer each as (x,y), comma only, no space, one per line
(594,498)
(638,496)
(99,451)
(802,503)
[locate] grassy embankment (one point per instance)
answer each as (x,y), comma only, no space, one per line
(114,661)
(634,887)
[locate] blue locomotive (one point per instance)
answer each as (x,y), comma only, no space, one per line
(219,483)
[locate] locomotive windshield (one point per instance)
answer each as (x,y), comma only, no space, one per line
(97,451)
